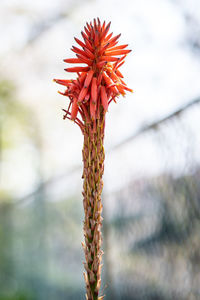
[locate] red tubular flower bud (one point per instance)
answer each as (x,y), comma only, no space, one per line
(96,38)
(79,42)
(126,88)
(88,45)
(86,31)
(112,75)
(82,77)
(77,69)
(104,98)
(89,53)
(105,31)
(103,26)
(72,60)
(99,25)
(119,73)
(84,60)
(107,79)
(119,65)
(109,58)
(88,78)
(74,109)
(101,64)
(101,51)
(92,110)
(94,90)
(114,39)
(84,35)
(117,52)
(88,26)
(108,37)
(118,47)
(82,94)
(79,51)
(63,81)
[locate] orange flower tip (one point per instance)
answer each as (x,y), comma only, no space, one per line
(127,89)
(108,26)
(63,94)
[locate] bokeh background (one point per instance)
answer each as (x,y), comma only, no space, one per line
(151,194)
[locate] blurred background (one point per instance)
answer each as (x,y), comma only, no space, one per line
(151,196)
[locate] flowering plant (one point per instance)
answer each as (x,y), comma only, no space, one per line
(97,84)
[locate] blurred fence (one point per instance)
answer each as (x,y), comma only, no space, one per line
(151,225)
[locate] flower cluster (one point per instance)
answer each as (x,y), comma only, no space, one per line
(100,81)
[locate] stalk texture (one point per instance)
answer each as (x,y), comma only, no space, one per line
(93,161)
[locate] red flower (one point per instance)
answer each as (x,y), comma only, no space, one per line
(100,81)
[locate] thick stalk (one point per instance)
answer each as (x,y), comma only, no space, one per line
(93,161)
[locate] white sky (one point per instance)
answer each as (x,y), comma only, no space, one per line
(162,71)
